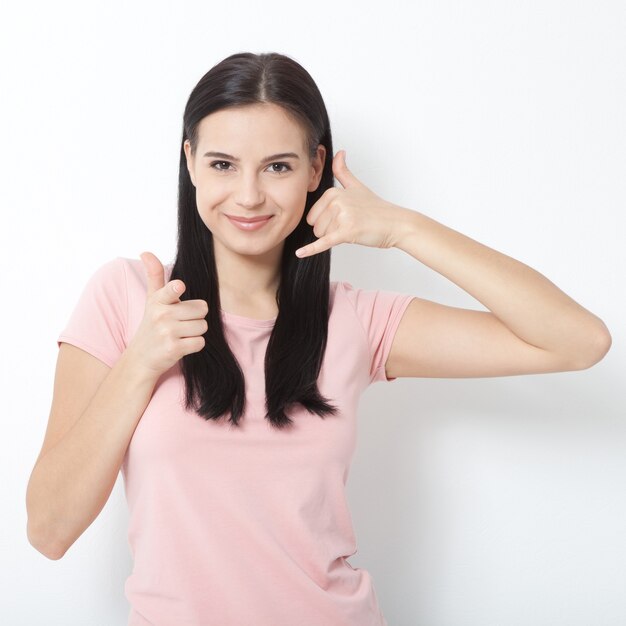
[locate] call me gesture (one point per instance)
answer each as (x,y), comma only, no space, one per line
(532,326)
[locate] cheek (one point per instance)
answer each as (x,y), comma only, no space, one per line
(294,195)
(210,196)
(291,200)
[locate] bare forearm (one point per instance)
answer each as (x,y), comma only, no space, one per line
(529,304)
(71,483)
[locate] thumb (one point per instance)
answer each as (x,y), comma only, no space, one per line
(341,171)
(155,275)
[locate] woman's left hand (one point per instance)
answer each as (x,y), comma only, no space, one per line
(353,214)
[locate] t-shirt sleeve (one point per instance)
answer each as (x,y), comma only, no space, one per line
(98,321)
(379,313)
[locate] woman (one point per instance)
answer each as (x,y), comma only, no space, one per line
(225,385)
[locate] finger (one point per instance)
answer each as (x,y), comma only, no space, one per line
(326,222)
(322,204)
(193,310)
(155,278)
(323,243)
(342,173)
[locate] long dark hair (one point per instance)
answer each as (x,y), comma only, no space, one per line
(215,384)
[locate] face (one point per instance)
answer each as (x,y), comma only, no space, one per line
(242,182)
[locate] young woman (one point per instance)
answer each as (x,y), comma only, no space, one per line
(225,385)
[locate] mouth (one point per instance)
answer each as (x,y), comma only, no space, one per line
(248,220)
(250,224)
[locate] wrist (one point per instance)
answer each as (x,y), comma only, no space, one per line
(134,368)
(406,224)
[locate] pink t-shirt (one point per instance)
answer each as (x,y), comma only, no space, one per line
(239,526)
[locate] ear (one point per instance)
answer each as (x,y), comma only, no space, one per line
(318,168)
(190,160)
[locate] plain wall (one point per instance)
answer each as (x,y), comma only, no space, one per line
(476,502)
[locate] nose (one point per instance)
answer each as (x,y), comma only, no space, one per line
(248,193)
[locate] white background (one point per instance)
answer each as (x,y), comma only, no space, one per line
(476,502)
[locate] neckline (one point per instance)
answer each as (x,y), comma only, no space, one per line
(247,321)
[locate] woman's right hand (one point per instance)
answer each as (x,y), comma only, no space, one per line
(170,329)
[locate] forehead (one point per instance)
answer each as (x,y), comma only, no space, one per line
(265,126)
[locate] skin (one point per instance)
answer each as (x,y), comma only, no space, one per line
(248,263)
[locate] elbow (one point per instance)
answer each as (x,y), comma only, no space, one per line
(50,550)
(595,350)
(39,531)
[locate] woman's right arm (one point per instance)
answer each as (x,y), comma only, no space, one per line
(95,410)
(94,414)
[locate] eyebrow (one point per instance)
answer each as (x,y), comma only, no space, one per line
(272,157)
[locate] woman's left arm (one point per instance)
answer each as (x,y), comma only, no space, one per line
(531,326)
(529,304)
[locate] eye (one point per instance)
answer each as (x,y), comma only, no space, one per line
(219,169)
(284,165)
(227,163)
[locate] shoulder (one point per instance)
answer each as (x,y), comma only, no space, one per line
(108,278)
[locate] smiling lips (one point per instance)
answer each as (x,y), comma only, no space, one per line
(248,219)
(250,224)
